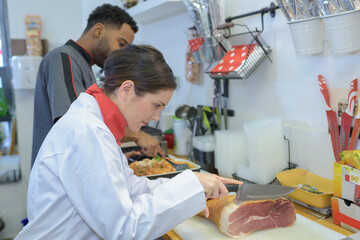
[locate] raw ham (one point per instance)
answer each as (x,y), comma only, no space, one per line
(238,219)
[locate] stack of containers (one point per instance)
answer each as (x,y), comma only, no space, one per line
(266,149)
(230,152)
(255,154)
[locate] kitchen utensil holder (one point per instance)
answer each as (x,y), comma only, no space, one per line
(262,12)
(257,50)
(275,181)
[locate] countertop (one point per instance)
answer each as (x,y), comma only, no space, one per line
(320,219)
(325,221)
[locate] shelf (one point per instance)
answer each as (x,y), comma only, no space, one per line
(152,10)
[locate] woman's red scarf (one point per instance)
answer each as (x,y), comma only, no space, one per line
(110,112)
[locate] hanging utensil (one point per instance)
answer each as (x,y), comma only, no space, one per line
(206,122)
(331,117)
(225,98)
(218,102)
(346,117)
(182,111)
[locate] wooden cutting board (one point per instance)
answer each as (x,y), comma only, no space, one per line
(200,228)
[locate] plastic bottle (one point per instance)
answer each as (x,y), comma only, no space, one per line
(182,135)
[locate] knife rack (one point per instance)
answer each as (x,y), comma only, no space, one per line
(257,51)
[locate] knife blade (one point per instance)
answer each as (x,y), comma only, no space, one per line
(346,117)
(331,117)
(248,191)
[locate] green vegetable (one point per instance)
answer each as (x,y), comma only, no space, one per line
(158,158)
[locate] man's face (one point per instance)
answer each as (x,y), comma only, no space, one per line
(113,39)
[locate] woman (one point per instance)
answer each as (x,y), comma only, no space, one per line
(81,186)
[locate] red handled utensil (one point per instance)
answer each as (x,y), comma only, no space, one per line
(346,117)
(331,117)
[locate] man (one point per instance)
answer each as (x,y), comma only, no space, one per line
(66,71)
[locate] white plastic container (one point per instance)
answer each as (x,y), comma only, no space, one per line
(343,31)
(230,151)
(182,135)
(266,149)
(307,36)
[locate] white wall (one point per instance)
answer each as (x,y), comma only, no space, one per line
(61,20)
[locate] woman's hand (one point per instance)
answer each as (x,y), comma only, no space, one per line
(214,186)
(149,145)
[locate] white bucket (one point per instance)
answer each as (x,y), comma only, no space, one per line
(343,31)
(307,35)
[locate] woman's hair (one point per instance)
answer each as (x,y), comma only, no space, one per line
(143,64)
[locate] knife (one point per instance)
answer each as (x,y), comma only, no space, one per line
(247,191)
(331,117)
(347,116)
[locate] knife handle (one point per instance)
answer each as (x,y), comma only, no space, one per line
(233,187)
(325,92)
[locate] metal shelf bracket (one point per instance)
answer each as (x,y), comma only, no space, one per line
(262,12)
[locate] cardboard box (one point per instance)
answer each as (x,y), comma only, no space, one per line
(346,182)
(346,214)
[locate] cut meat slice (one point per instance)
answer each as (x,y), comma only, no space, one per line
(238,219)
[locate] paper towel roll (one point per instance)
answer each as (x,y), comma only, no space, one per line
(230,151)
(266,149)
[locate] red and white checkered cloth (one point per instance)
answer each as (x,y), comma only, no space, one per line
(196,43)
(233,59)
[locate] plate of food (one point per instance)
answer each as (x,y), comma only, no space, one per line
(155,167)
